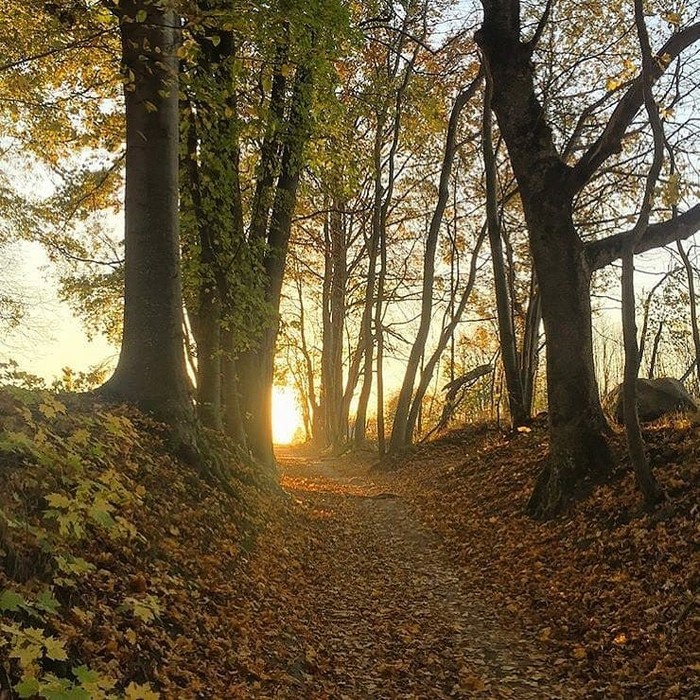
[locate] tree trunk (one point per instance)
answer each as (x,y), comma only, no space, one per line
(506,330)
(633,432)
(428,368)
(366,335)
(360,430)
(529,360)
(333,320)
(548,186)
(209,359)
(399,432)
(232,418)
(578,447)
(256,371)
(655,350)
(695,330)
(257,365)
(151,369)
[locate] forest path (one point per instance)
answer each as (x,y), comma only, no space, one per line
(376,608)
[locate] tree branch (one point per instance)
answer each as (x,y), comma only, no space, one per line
(57,49)
(610,141)
(601,253)
(532,43)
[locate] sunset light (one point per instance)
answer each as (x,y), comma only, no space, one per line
(286,417)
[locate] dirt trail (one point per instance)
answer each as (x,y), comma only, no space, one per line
(376,607)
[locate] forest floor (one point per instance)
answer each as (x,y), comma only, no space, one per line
(380,609)
(427,580)
(125,574)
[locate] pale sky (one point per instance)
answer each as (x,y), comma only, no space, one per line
(50,337)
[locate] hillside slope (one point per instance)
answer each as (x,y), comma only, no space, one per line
(121,569)
(126,574)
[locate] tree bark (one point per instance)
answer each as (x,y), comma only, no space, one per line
(506,330)
(529,360)
(367,338)
(548,186)
(151,371)
(447,333)
(633,432)
(256,366)
(232,418)
(695,330)
(209,359)
(333,319)
(578,447)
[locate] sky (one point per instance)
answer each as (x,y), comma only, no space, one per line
(49,337)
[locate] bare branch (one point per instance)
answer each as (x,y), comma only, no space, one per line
(532,44)
(601,253)
(610,141)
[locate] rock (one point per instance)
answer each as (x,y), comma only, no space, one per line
(655,398)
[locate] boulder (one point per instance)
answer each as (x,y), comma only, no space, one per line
(655,398)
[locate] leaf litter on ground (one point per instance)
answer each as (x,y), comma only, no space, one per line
(426,581)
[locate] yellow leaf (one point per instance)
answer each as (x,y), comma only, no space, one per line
(469,682)
(545,634)
(579,653)
(58,500)
(51,406)
(55,649)
(621,639)
(134,691)
(673,18)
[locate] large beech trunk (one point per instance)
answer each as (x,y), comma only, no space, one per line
(151,370)
(578,445)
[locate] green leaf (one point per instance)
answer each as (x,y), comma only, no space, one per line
(27,688)
(103,518)
(92,681)
(11,601)
(86,676)
(47,602)
(141,16)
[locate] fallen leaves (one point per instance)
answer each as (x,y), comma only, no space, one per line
(603,589)
(426,582)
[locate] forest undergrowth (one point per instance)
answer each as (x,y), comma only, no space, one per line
(125,574)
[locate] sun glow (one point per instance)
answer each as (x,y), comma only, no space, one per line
(286,416)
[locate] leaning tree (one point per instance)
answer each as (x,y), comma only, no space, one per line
(550,180)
